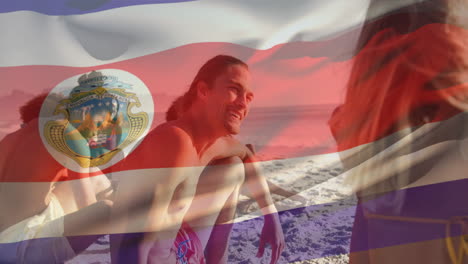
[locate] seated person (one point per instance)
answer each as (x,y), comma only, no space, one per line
(36,202)
(156,205)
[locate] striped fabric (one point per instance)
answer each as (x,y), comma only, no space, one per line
(401,150)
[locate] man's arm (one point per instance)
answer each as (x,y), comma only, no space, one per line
(272,232)
(257,186)
(255,182)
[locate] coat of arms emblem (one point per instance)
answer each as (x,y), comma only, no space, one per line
(104,115)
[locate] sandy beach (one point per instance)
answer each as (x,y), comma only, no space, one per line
(316,232)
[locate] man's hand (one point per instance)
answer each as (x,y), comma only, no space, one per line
(272,234)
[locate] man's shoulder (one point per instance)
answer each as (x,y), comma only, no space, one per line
(168,138)
(170,133)
(167,145)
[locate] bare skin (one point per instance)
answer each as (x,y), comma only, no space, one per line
(28,193)
(26,190)
(158,200)
(214,206)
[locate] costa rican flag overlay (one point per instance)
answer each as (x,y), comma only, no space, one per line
(357,122)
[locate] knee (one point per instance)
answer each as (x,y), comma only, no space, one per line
(102,187)
(105,204)
(103,208)
(227,161)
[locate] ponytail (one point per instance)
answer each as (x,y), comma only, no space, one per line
(176,109)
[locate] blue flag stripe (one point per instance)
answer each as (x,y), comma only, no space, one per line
(419,216)
(74,7)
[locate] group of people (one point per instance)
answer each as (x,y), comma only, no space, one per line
(176,198)
(177,192)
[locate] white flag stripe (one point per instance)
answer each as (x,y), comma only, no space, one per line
(450,169)
(124,33)
(412,153)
